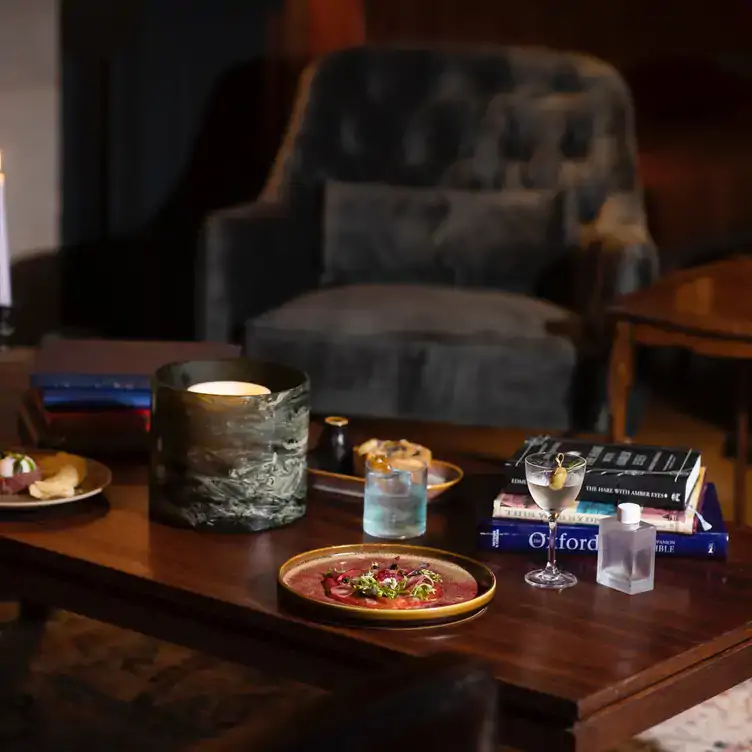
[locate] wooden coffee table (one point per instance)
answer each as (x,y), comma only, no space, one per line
(708,310)
(582,669)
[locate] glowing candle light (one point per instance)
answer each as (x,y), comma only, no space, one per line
(230,388)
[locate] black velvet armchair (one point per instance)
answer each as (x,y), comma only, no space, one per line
(439,236)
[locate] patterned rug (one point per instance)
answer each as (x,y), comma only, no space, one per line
(97,687)
(723,724)
(94,686)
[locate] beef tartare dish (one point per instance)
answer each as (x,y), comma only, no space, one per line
(388,583)
(392,586)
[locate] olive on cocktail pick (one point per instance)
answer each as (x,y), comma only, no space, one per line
(559,475)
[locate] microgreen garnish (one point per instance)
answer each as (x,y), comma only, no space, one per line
(388,581)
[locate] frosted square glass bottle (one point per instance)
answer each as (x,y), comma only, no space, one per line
(626,551)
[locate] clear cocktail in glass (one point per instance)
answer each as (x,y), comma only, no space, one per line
(554,481)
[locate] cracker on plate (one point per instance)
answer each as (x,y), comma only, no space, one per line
(54,463)
(62,473)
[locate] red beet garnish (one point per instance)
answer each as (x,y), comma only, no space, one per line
(384,574)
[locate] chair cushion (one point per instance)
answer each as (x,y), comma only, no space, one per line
(480,357)
(376,233)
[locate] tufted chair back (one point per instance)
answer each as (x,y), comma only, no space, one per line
(484,119)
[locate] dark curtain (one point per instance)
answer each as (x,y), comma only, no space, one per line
(162,123)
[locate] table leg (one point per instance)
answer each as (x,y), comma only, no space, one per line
(19,640)
(620,380)
(742,443)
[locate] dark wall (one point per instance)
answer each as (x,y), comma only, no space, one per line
(161,104)
(142,73)
(624,32)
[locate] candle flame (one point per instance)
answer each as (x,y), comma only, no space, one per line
(230,388)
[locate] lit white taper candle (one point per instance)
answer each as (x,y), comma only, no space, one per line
(6,299)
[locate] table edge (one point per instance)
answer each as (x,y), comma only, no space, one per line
(138,591)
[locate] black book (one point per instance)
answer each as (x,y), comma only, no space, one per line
(652,476)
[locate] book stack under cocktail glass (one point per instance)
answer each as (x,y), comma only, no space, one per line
(669,483)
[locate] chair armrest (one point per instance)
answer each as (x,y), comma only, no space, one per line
(251,258)
(617,256)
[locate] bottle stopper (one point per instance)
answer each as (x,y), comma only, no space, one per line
(629,513)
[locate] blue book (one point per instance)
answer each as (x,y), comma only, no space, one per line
(709,541)
(95,399)
(91,381)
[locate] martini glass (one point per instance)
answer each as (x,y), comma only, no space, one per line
(554,481)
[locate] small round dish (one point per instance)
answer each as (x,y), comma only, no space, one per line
(98,477)
(467,585)
(441,477)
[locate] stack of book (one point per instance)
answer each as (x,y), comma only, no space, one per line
(669,483)
(94,396)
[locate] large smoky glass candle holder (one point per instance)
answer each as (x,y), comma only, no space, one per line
(228,445)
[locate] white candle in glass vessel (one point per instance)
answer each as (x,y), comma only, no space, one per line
(230,388)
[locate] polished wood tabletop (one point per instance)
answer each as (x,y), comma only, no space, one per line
(581,669)
(712,300)
(707,310)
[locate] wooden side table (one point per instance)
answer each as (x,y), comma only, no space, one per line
(707,310)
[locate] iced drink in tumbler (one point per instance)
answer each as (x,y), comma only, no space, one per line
(395,500)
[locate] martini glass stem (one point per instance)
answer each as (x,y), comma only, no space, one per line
(551,567)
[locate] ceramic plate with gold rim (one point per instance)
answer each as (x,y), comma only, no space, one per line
(96,479)
(386,584)
(441,477)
